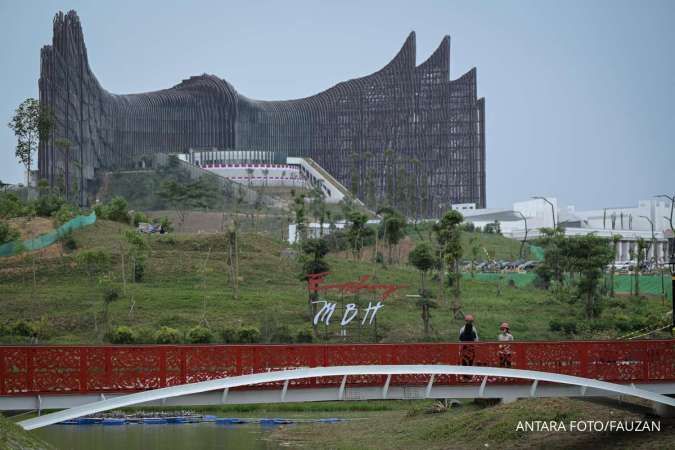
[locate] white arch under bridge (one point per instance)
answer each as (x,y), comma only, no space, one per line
(575,387)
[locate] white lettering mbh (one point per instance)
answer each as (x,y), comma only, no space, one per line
(325,313)
(372,310)
(346,318)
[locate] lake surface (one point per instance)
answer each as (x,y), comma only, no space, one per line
(166,437)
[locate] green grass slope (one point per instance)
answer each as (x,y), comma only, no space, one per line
(13,437)
(471,427)
(186,284)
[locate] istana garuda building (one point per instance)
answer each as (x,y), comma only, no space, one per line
(406,135)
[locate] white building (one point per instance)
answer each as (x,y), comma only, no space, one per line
(267,169)
(631,223)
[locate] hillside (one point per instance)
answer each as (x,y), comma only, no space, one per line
(474,426)
(13,437)
(186,284)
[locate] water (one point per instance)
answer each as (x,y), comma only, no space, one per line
(166,437)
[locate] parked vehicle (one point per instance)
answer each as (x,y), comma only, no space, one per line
(528,266)
(623,266)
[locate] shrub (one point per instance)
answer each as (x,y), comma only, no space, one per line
(122,335)
(139,270)
(22,328)
(65,213)
(304,336)
(165,223)
(248,335)
(200,335)
(48,204)
(145,335)
(566,326)
(626,324)
(139,217)
(167,240)
(281,335)
(111,292)
(93,261)
(11,206)
(7,233)
(167,335)
(69,243)
(599,325)
(115,210)
(229,335)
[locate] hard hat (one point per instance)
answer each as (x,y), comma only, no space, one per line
(504,325)
(468,318)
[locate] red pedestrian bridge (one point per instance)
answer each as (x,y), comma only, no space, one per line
(42,377)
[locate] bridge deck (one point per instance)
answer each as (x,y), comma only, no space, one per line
(84,370)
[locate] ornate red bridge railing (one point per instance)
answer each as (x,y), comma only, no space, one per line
(100,369)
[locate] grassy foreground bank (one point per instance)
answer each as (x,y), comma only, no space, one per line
(471,426)
(13,437)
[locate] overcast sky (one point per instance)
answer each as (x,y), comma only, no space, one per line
(579,94)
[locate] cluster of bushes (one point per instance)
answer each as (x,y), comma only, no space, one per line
(203,335)
(115,210)
(567,326)
(35,330)
(47,205)
(8,233)
(12,206)
(619,323)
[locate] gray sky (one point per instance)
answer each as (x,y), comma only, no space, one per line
(579,94)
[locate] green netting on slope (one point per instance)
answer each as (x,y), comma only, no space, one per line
(649,284)
(537,252)
(47,239)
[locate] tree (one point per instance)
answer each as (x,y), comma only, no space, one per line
(233,256)
(426,303)
(552,267)
(587,256)
(110,293)
(640,258)
(448,235)
(137,247)
(7,233)
(423,259)
(31,124)
(475,251)
(313,262)
(357,232)
(392,228)
(616,238)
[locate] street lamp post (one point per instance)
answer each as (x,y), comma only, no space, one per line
(552,207)
(522,244)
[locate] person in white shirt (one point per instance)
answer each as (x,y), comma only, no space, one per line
(504,332)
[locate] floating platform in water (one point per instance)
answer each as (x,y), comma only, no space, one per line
(193,419)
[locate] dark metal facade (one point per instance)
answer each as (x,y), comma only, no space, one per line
(406,135)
